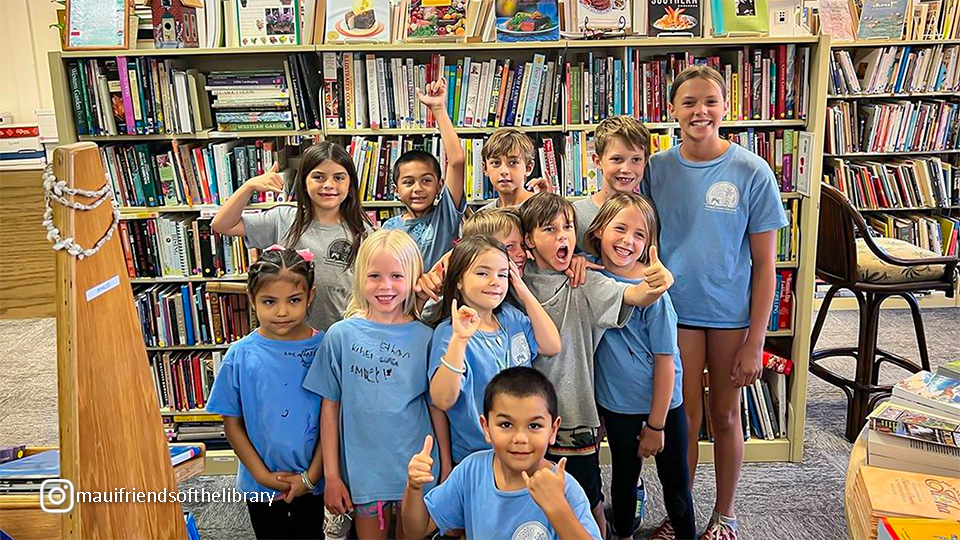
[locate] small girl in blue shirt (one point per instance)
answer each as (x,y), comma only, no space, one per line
(371,371)
(638,375)
(272,423)
(720,209)
(483,336)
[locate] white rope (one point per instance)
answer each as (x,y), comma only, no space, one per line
(54,190)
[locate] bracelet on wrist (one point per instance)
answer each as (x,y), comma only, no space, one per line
(451,367)
(306,481)
(651,426)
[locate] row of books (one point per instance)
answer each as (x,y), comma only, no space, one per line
(895,69)
(764,412)
(934,233)
(190,314)
(780,148)
(136,96)
(892,126)
(781,316)
(176,174)
(183,379)
(788,240)
(181,245)
(929,182)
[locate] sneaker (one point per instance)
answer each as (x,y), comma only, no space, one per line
(641,505)
(719,531)
(664,531)
(335,526)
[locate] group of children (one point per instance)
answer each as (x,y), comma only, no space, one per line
(410,382)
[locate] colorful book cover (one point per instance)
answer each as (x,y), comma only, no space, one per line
(899,493)
(268,22)
(436,19)
(740,17)
(358,20)
(603,14)
(911,424)
(836,19)
(882,19)
(918,529)
(930,390)
(950,370)
(680,17)
(527,20)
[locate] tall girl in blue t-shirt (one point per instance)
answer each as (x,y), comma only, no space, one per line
(371,371)
(272,423)
(720,208)
(638,374)
(483,336)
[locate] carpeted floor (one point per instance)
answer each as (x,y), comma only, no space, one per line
(775,501)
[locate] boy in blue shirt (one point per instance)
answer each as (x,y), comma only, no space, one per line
(510,491)
(434,224)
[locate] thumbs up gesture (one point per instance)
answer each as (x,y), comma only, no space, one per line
(464,320)
(420,469)
(546,487)
(656,276)
(268,181)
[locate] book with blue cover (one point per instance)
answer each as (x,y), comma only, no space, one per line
(882,19)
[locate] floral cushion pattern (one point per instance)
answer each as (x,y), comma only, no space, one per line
(873,270)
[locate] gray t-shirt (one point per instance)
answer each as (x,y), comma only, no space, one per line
(330,245)
(586,211)
(581,315)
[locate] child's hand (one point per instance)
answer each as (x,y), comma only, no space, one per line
(538,185)
(651,442)
(336,497)
(275,481)
(747,365)
(435,96)
(420,469)
(546,487)
(465,321)
(577,271)
(519,287)
(656,275)
(268,181)
(297,487)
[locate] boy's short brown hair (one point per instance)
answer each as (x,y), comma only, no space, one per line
(508,142)
(626,128)
(543,208)
(495,222)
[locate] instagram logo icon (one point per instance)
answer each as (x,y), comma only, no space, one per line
(56,496)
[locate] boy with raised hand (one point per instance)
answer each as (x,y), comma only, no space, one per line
(434,223)
(622,146)
(510,491)
(508,159)
(582,314)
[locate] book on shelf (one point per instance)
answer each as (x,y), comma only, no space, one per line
(743,17)
(890,126)
(882,19)
(892,452)
(528,20)
(180,246)
(904,421)
(763,414)
(358,20)
(925,182)
(183,379)
(879,492)
(601,14)
(788,240)
(777,147)
(673,17)
(781,316)
(265,23)
(923,231)
(895,69)
(930,393)
(837,19)
(435,20)
(950,370)
(187,315)
(917,529)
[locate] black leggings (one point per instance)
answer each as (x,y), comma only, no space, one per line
(303,518)
(622,433)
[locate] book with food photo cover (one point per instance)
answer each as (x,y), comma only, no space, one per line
(527,20)
(436,19)
(603,15)
(358,20)
(680,17)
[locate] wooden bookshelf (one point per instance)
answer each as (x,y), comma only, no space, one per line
(795,339)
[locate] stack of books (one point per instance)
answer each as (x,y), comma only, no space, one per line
(883,493)
(916,529)
(251,100)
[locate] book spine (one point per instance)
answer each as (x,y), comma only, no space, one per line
(73,73)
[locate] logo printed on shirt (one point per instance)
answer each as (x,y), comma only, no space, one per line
(338,253)
(531,530)
(520,350)
(723,196)
(424,234)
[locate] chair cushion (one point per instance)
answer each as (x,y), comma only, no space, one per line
(873,270)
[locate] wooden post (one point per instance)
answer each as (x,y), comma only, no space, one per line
(111,435)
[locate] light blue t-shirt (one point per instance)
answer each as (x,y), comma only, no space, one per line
(378,373)
(261,380)
(707,212)
(469,499)
(435,232)
(624,359)
(487,354)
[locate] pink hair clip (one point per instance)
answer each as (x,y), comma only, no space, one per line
(306,254)
(275,247)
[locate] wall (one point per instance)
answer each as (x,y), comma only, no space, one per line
(25,39)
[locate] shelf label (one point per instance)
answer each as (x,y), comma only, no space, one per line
(96,291)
